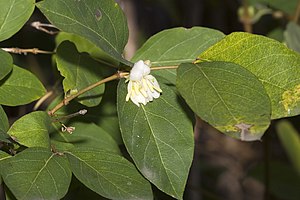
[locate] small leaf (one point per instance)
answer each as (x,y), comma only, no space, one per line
(176,46)
(292,36)
(108,174)
(227,96)
(88,135)
(159,138)
(6,63)
(13,15)
(36,173)
(3,156)
(32,130)
(109,32)
(20,87)
(80,71)
(290,141)
(276,66)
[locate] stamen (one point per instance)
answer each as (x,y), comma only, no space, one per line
(150,86)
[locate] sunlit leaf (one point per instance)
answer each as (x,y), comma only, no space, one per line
(36,173)
(20,87)
(159,138)
(6,63)
(108,174)
(32,130)
(80,71)
(100,21)
(290,141)
(276,66)
(292,36)
(13,15)
(176,46)
(227,96)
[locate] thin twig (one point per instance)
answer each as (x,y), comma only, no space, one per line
(297,13)
(60,118)
(164,67)
(41,27)
(246,19)
(42,99)
(118,75)
(25,51)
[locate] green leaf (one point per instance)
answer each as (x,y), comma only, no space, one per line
(36,173)
(84,45)
(176,46)
(100,21)
(103,115)
(227,96)
(3,156)
(13,15)
(276,66)
(78,191)
(292,36)
(159,138)
(32,130)
(108,174)
(20,87)
(4,126)
(88,135)
(290,141)
(6,63)
(80,71)
(284,5)
(284,184)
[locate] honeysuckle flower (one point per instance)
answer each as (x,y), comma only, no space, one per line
(142,87)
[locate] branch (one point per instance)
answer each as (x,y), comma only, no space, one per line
(246,18)
(297,13)
(25,51)
(118,75)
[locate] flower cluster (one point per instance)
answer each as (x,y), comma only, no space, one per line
(142,87)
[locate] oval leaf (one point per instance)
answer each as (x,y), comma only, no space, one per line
(100,21)
(276,66)
(80,71)
(227,96)
(109,175)
(176,46)
(20,87)
(6,63)
(13,15)
(32,130)
(36,173)
(159,138)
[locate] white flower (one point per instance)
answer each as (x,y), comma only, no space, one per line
(142,86)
